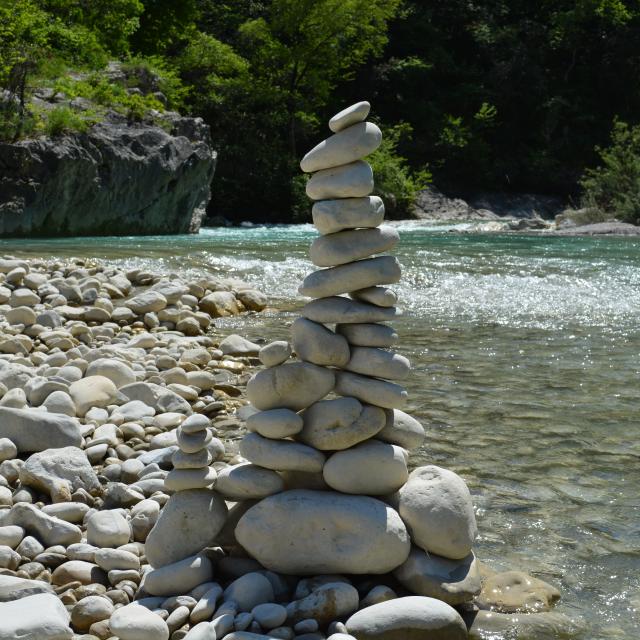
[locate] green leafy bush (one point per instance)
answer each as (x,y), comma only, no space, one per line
(613,188)
(64,120)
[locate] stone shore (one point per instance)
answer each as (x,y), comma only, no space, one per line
(124,492)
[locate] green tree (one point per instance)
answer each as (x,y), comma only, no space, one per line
(613,188)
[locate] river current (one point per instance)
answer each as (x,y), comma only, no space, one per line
(526,356)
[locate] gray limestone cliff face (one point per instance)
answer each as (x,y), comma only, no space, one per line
(119,178)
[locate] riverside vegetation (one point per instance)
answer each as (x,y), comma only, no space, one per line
(123,516)
(485,95)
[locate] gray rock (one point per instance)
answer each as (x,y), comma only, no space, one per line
(402,429)
(332,601)
(347,145)
(179,577)
(381,296)
(118,372)
(146,302)
(452,581)
(353,180)
(331,425)
(436,506)
(370,468)
(331,216)
(368,335)
(274,353)
(354,244)
(13,588)
(248,482)
(189,521)
(94,391)
(281,455)
(37,430)
(50,530)
(136,622)
(50,622)
(51,183)
(380,393)
(108,529)
(292,386)
(163,400)
(409,618)
(60,472)
(235,345)
(249,591)
(349,277)
(337,309)
(313,532)
(351,115)
(269,615)
(315,343)
(378,363)
(275,423)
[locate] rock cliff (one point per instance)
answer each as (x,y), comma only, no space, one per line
(119,178)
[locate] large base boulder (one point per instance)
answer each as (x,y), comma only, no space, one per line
(305,532)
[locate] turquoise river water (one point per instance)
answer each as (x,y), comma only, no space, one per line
(526,354)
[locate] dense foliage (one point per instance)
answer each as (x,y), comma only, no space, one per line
(489,94)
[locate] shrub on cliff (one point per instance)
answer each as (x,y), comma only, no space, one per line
(613,188)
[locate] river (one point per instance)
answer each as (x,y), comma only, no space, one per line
(526,355)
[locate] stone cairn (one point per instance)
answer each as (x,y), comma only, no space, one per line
(323,491)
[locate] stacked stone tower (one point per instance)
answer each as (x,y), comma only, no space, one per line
(330,423)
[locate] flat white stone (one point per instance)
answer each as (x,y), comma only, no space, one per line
(337,309)
(94,391)
(370,468)
(368,335)
(331,425)
(410,618)
(436,506)
(347,246)
(280,455)
(331,216)
(380,393)
(248,482)
(348,145)
(353,180)
(197,460)
(135,622)
(275,423)
(313,342)
(41,616)
(402,429)
(378,363)
(381,296)
(355,113)
(180,577)
(181,479)
(322,532)
(350,277)
(291,386)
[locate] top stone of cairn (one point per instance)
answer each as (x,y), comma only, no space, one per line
(355,113)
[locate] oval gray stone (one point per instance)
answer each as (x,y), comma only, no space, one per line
(403,429)
(355,244)
(314,532)
(331,425)
(188,522)
(293,386)
(248,482)
(354,113)
(378,363)
(380,393)
(370,468)
(368,335)
(38,430)
(348,145)
(275,423)
(314,343)
(331,216)
(281,455)
(408,618)
(382,296)
(337,309)
(353,180)
(437,508)
(350,277)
